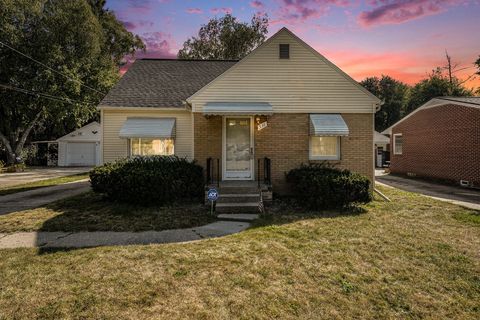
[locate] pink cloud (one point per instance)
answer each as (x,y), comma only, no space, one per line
(399,11)
(298,11)
(224,10)
(158,45)
(194,11)
(257,5)
(130,25)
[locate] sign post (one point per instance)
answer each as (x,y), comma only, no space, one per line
(212,196)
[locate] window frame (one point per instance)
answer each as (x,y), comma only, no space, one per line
(130,146)
(395,135)
(287,47)
(337,157)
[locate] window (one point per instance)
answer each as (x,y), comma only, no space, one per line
(397,143)
(324,148)
(149,147)
(284,51)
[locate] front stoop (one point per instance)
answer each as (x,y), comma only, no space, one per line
(243,217)
(239,197)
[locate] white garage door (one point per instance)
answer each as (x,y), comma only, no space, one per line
(81,154)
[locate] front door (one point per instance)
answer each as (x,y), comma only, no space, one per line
(238,148)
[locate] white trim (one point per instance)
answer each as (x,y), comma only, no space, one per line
(224,149)
(172,109)
(395,144)
(313,157)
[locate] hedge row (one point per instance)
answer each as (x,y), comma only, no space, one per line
(318,186)
(149,180)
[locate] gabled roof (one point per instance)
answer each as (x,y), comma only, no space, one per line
(308,47)
(163,83)
(471,102)
(87,132)
(380,138)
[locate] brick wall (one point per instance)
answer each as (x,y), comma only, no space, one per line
(286,141)
(441,142)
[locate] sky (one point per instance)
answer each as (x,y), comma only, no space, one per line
(405,39)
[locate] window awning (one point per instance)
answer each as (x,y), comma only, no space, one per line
(148,128)
(237,108)
(328,125)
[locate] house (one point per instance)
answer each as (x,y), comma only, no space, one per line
(282,105)
(382,149)
(440,140)
(80,147)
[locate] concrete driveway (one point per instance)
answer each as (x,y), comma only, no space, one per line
(40,173)
(469,198)
(38,197)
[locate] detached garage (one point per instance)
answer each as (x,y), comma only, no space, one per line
(80,147)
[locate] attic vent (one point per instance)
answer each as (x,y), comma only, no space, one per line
(284,51)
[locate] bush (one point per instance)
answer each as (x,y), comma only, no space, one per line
(149,180)
(318,186)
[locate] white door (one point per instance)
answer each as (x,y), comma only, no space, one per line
(238,148)
(81,154)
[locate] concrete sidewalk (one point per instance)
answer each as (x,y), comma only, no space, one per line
(465,197)
(110,238)
(38,197)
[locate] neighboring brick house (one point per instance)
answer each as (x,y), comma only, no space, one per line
(439,140)
(282,105)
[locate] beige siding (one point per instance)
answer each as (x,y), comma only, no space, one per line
(304,83)
(115,148)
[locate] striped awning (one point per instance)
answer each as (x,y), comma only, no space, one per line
(328,125)
(148,128)
(237,108)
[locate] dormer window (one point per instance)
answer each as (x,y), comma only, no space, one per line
(284,51)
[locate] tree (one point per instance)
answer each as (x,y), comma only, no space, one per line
(226,38)
(80,45)
(436,85)
(394,95)
(477,64)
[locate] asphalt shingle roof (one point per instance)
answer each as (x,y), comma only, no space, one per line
(163,83)
(471,100)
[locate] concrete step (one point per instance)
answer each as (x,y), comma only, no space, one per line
(245,217)
(240,197)
(239,207)
(236,190)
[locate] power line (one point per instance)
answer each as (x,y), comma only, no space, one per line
(41,94)
(44,65)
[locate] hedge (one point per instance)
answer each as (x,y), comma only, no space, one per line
(319,186)
(149,180)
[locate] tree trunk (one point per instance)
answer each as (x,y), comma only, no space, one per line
(15,148)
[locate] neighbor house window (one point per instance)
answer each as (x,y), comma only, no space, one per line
(397,143)
(324,148)
(150,147)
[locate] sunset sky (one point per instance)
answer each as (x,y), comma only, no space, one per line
(405,39)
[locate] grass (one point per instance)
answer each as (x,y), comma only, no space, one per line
(42,183)
(90,212)
(413,258)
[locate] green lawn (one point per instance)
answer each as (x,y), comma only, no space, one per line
(42,183)
(413,258)
(90,212)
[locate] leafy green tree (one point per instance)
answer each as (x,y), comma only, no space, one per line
(80,45)
(436,85)
(226,38)
(394,95)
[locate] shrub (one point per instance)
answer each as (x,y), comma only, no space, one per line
(318,186)
(149,180)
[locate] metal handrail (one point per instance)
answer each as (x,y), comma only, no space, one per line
(267,171)
(210,174)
